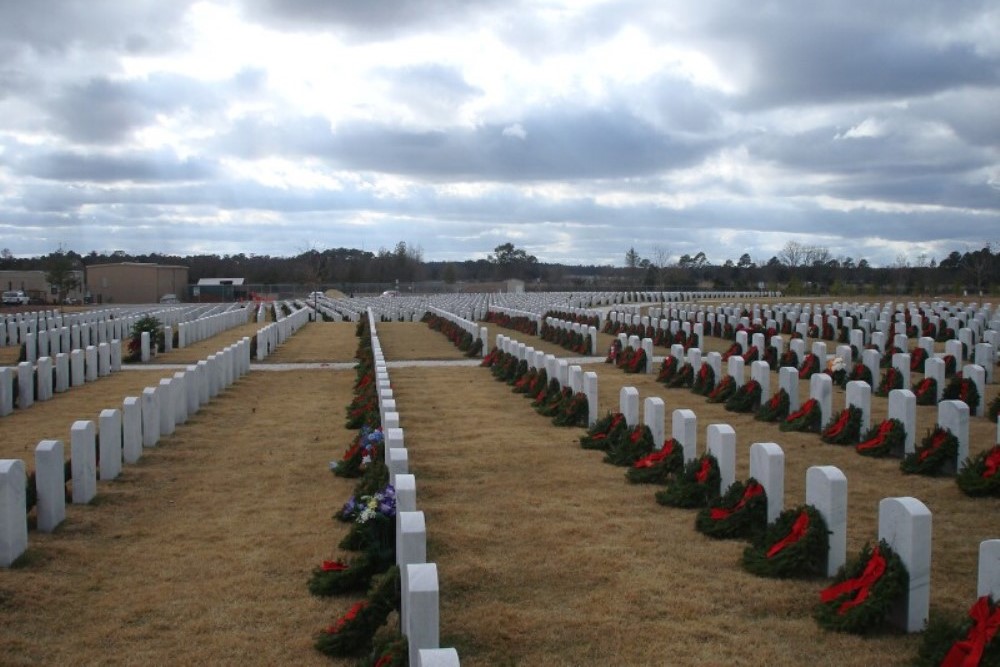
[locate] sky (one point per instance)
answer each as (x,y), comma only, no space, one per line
(574,129)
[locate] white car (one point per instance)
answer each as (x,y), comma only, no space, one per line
(15,298)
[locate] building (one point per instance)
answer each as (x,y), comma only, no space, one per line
(219,289)
(134,282)
(36,285)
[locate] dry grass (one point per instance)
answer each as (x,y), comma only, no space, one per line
(546,555)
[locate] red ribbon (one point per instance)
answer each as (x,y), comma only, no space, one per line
(751,491)
(969,651)
(702,475)
(860,586)
(384,660)
(654,458)
(937,440)
(992,463)
(333,566)
(839,426)
(883,432)
(798,531)
(351,614)
(803,411)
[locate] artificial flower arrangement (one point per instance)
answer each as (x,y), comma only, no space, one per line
(365,448)
(837,370)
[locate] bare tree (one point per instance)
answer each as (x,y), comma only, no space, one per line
(793,254)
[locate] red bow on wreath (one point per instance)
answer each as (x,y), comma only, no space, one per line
(702,475)
(720,513)
(992,463)
(969,651)
(798,531)
(874,569)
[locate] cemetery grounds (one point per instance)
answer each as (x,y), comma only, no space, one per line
(200,553)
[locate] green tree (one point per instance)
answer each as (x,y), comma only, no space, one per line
(511,262)
(61,274)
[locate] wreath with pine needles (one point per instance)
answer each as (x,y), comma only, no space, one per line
(574,411)
(629,446)
(741,512)
(555,400)
(723,391)
(925,391)
(980,475)
(682,378)
(993,411)
(746,398)
(659,466)
(891,379)
(668,368)
(938,449)
(969,640)
(795,545)
(810,366)
(703,382)
(845,428)
(789,358)
(962,389)
(775,409)
(918,359)
(806,419)
(604,429)
(862,373)
(864,592)
(352,633)
(886,439)
(391,649)
(696,486)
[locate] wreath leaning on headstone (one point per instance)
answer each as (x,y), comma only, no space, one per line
(971,640)
(696,486)
(962,389)
(746,398)
(845,428)
(604,429)
(659,466)
(863,592)
(795,545)
(980,475)
(741,512)
(938,449)
(775,409)
(806,419)
(886,439)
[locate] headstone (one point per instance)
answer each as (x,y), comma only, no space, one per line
(903,406)
(761,373)
(871,360)
(859,394)
(144,347)
(13,518)
(62,372)
(788,379)
(977,374)
(767,466)
(985,357)
(653,415)
(77,376)
(420,598)
(150,416)
(590,389)
(411,548)
(406,493)
(437,657)
(131,429)
(628,404)
(821,389)
(90,363)
(394,438)
(110,438)
(721,439)
(905,523)
(684,429)
(934,368)
(826,490)
(25,385)
(6,390)
(44,378)
(168,409)
(397,460)
(735,366)
(989,569)
(901,362)
(954,416)
(50,485)
(84,461)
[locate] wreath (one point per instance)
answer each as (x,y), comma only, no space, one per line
(789,358)
(741,512)
(962,389)
(993,411)
(810,366)
(926,391)
(659,466)
(629,446)
(633,361)
(554,401)
(668,368)
(891,379)
(733,351)
(885,361)
(918,358)
(775,409)
(950,365)
(524,381)
(573,411)
(723,390)
(972,640)
(862,373)
(697,484)
(352,633)
(795,545)
(751,355)
(365,448)
(549,393)
(683,378)
(491,358)
(980,475)
(845,429)
(390,651)
(806,419)
(746,398)
(886,439)
(605,429)
(864,591)
(939,448)
(704,382)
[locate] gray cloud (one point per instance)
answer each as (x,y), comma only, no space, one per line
(159,166)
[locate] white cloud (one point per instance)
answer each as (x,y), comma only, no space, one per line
(516,131)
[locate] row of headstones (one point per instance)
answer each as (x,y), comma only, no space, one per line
(274,334)
(15,327)
(472,328)
(582,330)
(419,586)
(905,523)
(123,434)
(571,376)
(47,377)
(191,332)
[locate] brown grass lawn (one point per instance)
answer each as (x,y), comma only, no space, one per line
(200,553)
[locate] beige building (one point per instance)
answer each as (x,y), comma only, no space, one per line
(37,287)
(133,282)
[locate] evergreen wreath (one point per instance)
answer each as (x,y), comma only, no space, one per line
(864,592)
(365,448)
(490,358)
(789,358)
(962,389)
(523,383)
(950,365)
(538,385)
(668,368)
(886,439)
(795,545)
(734,351)
(810,366)
(751,355)
(352,633)
(741,512)
(604,430)
(775,409)
(574,411)
(845,429)
(334,577)
(862,373)
(696,486)
(633,361)
(980,475)
(554,400)
(704,381)
(891,379)
(806,419)
(938,450)
(629,446)
(993,411)
(918,359)
(683,378)
(659,466)
(723,390)
(971,640)
(925,391)
(746,398)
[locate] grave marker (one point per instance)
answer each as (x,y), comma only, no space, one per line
(767,466)
(50,485)
(84,461)
(826,490)
(721,440)
(903,406)
(905,523)
(13,519)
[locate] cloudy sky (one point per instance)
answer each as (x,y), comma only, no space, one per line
(572,128)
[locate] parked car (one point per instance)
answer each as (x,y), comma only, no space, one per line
(169,298)
(15,298)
